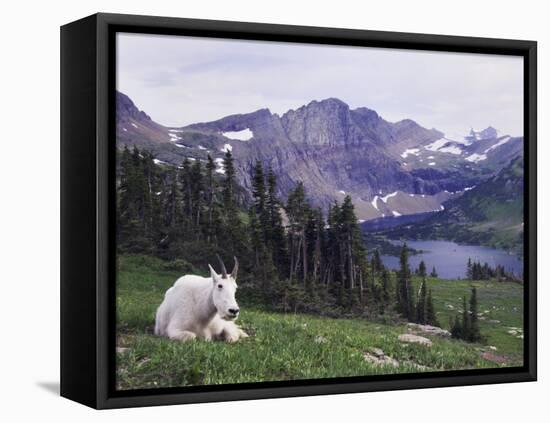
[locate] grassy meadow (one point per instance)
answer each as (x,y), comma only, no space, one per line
(294,346)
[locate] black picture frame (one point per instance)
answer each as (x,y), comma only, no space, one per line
(87,209)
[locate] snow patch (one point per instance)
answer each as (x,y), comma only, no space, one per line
(124,129)
(431,164)
(437,144)
(200,147)
(219,165)
(226,148)
(469,188)
(157,161)
(504,140)
(409,151)
(396,214)
(342,192)
(411,195)
(174,137)
(474,158)
(243,135)
(134,125)
(177,131)
(373,202)
(451,149)
(385,199)
(181,146)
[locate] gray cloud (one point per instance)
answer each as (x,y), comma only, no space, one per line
(181,80)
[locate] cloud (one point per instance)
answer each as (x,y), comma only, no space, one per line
(181,80)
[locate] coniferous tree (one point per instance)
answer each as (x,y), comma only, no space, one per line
(298,210)
(474,334)
(405,302)
(377,265)
(422,269)
(187,187)
(259,196)
(434,273)
(210,197)
(465,320)
(421,305)
(232,222)
(431,317)
(386,287)
(278,244)
(469,269)
(197,191)
(352,248)
(456,328)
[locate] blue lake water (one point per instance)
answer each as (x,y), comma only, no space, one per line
(450,258)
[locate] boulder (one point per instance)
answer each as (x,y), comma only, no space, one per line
(428,329)
(415,339)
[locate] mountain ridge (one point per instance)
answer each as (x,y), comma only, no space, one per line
(332,149)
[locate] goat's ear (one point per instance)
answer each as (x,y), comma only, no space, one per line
(213,273)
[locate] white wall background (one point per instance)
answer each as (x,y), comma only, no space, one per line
(29,210)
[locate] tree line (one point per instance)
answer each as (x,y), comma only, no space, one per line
(475,271)
(466,327)
(293,256)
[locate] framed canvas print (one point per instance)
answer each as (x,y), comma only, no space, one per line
(254,211)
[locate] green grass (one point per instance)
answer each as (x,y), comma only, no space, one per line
(501,305)
(287,347)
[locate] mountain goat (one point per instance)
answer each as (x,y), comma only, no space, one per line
(201,307)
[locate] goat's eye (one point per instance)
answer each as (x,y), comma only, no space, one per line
(220,286)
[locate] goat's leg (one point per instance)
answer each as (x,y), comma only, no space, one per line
(180,335)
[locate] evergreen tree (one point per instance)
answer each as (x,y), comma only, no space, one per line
(421,305)
(278,243)
(405,302)
(352,248)
(187,187)
(197,190)
(469,269)
(386,287)
(465,320)
(434,273)
(456,328)
(431,317)
(422,269)
(474,334)
(232,223)
(298,210)
(210,198)
(259,195)
(377,265)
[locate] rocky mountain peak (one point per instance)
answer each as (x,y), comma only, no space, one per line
(127,110)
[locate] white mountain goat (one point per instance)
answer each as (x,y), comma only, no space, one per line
(201,307)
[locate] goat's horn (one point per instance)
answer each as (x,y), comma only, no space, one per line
(235,268)
(224,270)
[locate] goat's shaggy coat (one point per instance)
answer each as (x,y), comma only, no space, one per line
(200,307)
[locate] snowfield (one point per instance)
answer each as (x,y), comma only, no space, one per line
(385,199)
(244,135)
(504,140)
(219,165)
(226,148)
(409,151)
(451,149)
(474,158)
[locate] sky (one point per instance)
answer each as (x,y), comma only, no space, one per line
(182,80)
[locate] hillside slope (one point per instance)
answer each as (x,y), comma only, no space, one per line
(489,214)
